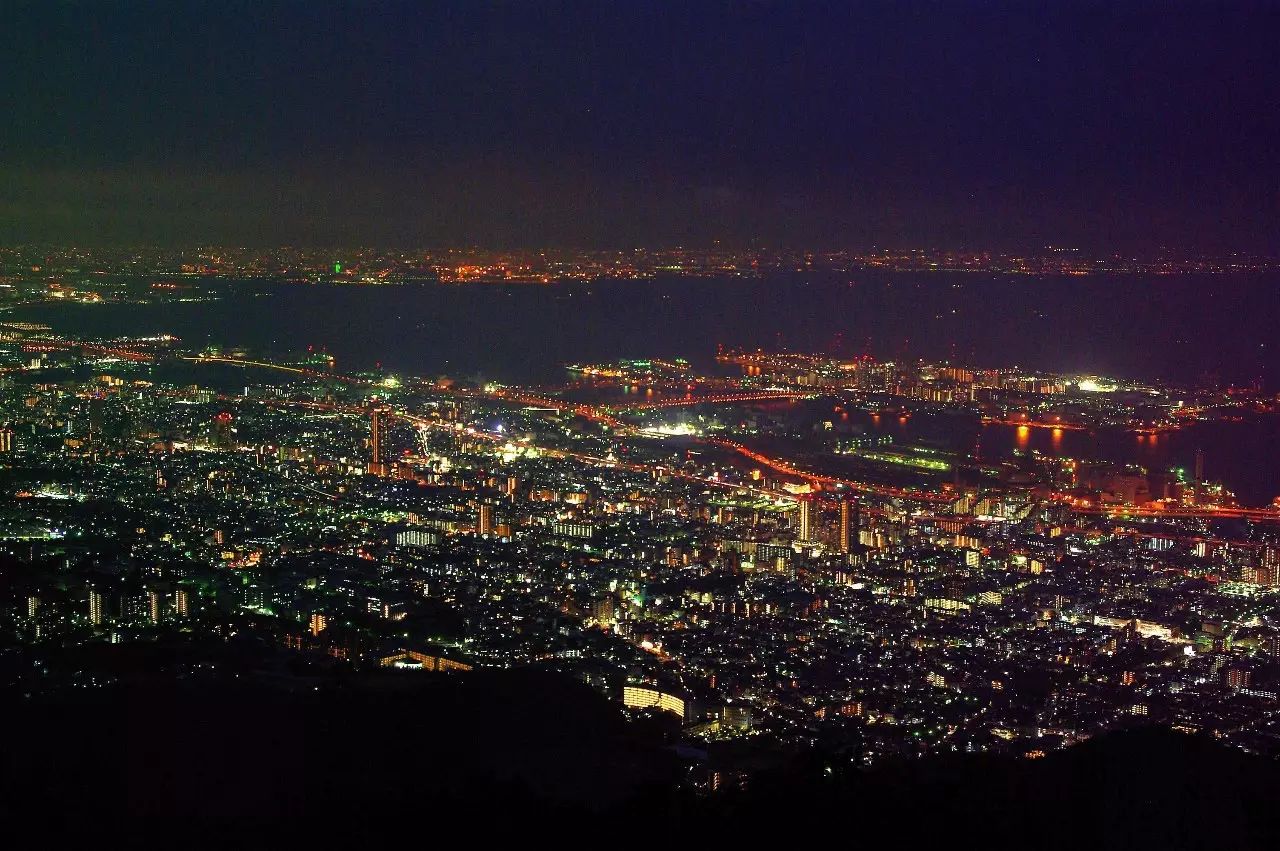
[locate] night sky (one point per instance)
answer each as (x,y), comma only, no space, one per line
(523,124)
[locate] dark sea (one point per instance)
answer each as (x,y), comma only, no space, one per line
(1186,329)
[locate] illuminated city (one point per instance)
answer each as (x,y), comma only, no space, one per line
(677,529)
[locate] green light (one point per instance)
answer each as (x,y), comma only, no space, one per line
(337,268)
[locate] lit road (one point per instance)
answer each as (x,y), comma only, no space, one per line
(782,466)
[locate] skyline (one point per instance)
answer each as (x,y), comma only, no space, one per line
(769,123)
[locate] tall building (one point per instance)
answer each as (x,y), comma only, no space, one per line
(602,611)
(484,523)
(806,518)
(376,467)
(135,607)
(848,524)
(157,604)
(6,439)
(97,607)
(95,421)
(222,430)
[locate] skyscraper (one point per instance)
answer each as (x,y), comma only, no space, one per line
(848,524)
(376,467)
(95,421)
(806,518)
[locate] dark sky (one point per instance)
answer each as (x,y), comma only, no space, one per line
(619,123)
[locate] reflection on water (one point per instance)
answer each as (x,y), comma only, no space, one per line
(1240,454)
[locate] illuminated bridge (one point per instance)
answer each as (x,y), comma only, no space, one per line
(1119,512)
(279,367)
(90,348)
(718,399)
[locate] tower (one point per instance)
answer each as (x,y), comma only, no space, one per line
(484,524)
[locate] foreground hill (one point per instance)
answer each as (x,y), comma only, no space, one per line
(255,763)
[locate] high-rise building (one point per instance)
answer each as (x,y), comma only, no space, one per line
(806,519)
(6,439)
(222,430)
(182,602)
(484,523)
(97,607)
(848,524)
(376,466)
(602,611)
(157,604)
(95,420)
(135,607)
